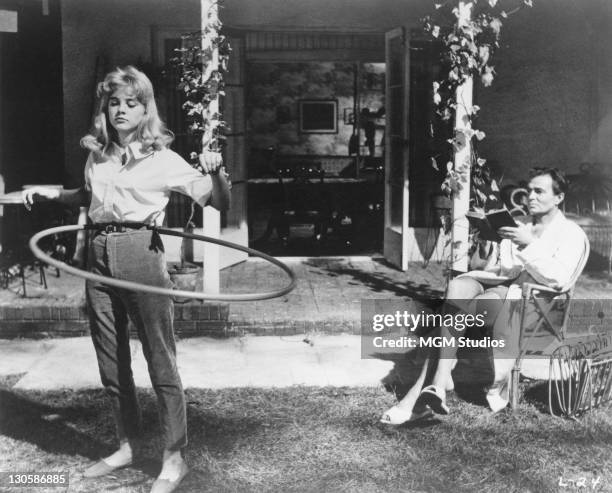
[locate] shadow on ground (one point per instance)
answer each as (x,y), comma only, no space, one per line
(82,429)
(394,282)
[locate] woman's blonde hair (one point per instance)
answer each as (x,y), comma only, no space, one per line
(151,131)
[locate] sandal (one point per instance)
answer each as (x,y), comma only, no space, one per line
(435,398)
(498,396)
(398,416)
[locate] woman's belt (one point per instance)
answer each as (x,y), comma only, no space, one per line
(117,227)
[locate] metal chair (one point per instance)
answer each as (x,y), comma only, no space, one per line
(546,302)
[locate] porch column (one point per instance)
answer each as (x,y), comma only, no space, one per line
(211,216)
(462,162)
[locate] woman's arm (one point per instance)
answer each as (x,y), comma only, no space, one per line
(74,196)
(220,196)
(212,164)
(207,186)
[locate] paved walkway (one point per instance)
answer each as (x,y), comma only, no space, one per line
(212,363)
(250,361)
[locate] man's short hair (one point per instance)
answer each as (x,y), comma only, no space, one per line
(558,178)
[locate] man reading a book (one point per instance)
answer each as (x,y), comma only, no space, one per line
(547,249)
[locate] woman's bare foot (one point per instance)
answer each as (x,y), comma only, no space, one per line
(173,465)
(122,457)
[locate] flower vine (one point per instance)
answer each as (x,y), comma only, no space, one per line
(470,43)
(202,62)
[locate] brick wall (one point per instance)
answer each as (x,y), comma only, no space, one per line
(193,318)
(585,313)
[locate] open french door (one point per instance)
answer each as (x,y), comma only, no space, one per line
(396,232)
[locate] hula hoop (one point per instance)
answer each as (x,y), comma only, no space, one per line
(135,286)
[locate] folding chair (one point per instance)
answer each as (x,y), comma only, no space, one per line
(546,302)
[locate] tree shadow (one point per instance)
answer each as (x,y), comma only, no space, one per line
(80,424)
(380,282)
(560,399)
(218,429)
(82,428)
(471,375)
(474,371)
(536,393)
(45,426)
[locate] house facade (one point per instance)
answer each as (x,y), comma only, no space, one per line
(551,102)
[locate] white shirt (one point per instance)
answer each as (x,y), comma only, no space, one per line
(139,190)
(555,258)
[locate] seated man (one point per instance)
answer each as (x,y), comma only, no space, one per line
(549,250)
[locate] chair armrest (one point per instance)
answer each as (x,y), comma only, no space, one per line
(529,287)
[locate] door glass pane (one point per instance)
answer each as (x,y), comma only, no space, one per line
(396,58)
(396,180)
(427,135)
(395,127)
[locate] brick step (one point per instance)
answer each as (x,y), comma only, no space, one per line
(190,319)
(197,318)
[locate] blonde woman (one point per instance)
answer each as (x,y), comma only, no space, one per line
(129,175)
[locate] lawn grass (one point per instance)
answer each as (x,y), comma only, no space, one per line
(312,439)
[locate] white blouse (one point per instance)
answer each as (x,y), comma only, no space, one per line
(139,190)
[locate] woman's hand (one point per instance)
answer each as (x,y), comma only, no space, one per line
(211,162)
(31,195)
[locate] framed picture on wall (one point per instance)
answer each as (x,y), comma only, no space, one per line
(349,116)
(318,116)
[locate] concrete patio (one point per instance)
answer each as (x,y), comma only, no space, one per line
(327,299)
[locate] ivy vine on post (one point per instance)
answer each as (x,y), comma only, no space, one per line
(201,64)
(468,51)
(201,82)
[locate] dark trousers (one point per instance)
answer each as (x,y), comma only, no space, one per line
(135,255)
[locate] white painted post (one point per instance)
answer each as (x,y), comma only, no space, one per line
(462,161)
(211,217)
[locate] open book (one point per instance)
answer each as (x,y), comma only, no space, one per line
(488,224)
